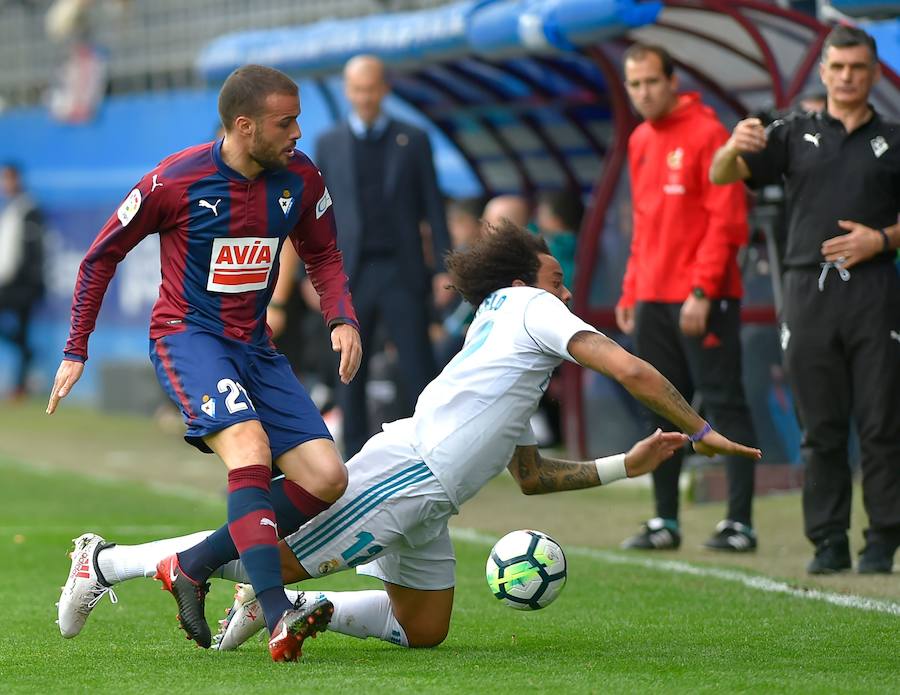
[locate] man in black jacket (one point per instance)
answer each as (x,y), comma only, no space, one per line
(840,323)
(381,177)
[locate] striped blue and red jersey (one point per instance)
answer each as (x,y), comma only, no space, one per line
(220,237)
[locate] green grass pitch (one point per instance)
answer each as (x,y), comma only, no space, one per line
(616,628)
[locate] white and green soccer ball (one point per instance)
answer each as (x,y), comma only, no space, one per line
(526,570)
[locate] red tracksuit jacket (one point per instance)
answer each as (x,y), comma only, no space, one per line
(686,230)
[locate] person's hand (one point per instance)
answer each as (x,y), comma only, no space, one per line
(694,316)
(714,443)
(443,294)
(625,319)
(276,317)
(647,454)
(345,340)
(67,375)
(859,245)
(748,135)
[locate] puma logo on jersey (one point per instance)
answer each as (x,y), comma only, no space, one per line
(156,184)
(895,336)
(210,206)
(241,264)
(814,139)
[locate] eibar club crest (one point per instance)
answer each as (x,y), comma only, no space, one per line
(286,201)
(208,405)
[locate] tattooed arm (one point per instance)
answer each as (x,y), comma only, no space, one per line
(537,474)
(640,378)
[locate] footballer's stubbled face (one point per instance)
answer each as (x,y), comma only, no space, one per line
(276,132)
(550,278)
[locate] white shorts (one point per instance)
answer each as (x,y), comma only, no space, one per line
(390,523)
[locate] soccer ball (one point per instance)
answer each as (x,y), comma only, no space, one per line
(526,570)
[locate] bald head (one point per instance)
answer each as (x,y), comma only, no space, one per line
(507,207)
(365,85)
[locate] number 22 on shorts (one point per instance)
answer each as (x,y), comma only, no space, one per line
(234,391)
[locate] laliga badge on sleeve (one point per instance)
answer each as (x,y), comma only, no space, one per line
(128,209)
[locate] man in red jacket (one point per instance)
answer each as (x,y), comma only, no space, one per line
(682,287)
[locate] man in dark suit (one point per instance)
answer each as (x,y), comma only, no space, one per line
(381,177)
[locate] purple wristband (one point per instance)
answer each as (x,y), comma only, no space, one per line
(703,431)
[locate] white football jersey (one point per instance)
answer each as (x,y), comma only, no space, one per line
(469,420)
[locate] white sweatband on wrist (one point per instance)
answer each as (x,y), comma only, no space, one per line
(611,468)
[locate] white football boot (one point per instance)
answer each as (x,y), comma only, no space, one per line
(84,588)
(243,620)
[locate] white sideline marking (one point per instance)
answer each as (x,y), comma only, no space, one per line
(679,567)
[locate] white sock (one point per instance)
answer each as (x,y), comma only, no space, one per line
(362,614)
(123,562)
(233,572)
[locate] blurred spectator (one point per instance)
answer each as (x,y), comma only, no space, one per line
(448,336)
(559,216)
(558,219)
(840,321)
(21,267)
(80,83)
(464,220)
(682,287)
(381,175)
(514,208)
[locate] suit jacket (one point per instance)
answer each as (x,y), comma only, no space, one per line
(411,195)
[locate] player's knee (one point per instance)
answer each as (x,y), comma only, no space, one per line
(429,637)
(422,634)
(333,480)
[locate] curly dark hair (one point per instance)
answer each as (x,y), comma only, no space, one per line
(503,254)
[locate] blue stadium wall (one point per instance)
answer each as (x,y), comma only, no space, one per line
(78,174)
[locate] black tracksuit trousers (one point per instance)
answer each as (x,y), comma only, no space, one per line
(841,342)
(711,366)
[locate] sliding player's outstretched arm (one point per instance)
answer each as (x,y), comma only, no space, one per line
(538,474)
(644,382)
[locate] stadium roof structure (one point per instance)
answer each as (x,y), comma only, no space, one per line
(530,92)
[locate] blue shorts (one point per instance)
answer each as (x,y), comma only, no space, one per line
(218,382)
